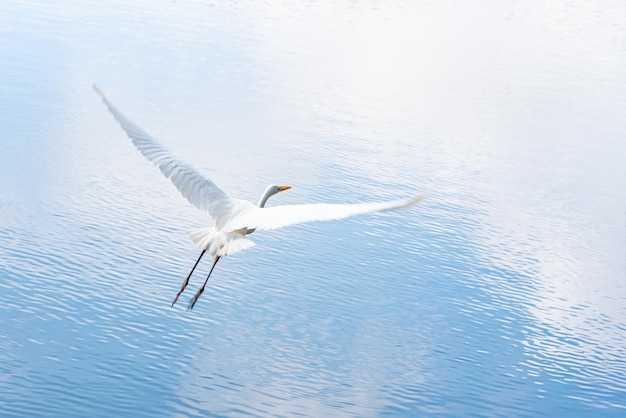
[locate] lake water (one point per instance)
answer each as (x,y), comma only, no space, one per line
(503,294)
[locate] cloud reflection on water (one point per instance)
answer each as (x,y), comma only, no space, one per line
(501,294)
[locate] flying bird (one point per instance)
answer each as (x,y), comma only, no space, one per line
(234,219)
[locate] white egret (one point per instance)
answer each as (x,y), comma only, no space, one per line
(234,219)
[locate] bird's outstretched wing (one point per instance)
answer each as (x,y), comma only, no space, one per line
(281,216)
(192,184)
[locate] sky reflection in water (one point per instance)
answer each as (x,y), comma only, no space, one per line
(502,294)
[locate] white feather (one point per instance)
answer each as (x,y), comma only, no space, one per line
(191,183)
(281,216)
(219,243)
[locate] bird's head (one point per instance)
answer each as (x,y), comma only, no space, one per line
(271,191)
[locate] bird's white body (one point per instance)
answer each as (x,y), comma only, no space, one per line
(234,219)
(220,243)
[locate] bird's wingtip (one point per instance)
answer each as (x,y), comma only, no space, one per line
(420,198)
(97,90)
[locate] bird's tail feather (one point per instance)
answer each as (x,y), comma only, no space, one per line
(219,243)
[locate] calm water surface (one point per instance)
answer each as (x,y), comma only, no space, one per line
(502,295)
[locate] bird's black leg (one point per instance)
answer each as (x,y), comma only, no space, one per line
(186,282)
(193,301)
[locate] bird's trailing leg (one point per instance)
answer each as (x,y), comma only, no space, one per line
(186,282)
(199,292)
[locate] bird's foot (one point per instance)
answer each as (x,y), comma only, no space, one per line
(182,288)
(193,301)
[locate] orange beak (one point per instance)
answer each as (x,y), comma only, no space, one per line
(283,188)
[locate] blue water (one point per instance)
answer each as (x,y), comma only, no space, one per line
(503,294)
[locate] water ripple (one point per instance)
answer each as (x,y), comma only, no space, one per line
(501,295)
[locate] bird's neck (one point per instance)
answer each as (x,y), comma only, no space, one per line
(263,199)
